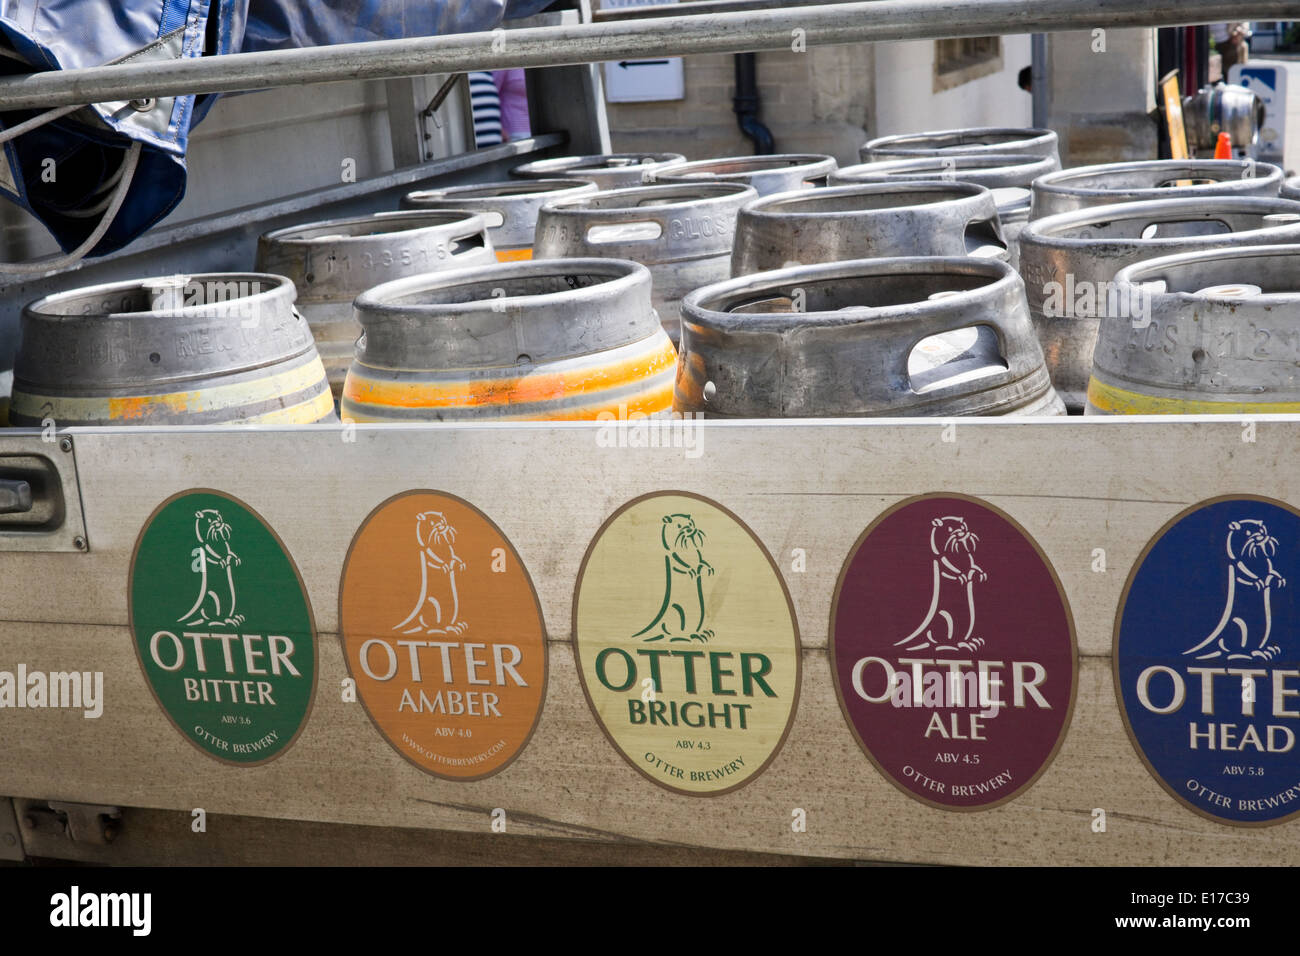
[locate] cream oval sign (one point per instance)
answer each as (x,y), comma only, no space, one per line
(442,632)
(686,643)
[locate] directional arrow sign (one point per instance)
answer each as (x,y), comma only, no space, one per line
(640,81)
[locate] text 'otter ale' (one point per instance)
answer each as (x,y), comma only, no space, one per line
(953,652)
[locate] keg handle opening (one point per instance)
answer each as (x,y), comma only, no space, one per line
(631,231)
(984,238)
(1183,228)
(956,357)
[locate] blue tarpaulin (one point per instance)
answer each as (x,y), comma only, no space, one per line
(88,147)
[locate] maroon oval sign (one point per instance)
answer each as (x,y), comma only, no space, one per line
(953,651)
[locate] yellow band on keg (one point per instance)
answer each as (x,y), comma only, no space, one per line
(513,255)
(507,390)
(1120,401)
(304,413)
(215,398)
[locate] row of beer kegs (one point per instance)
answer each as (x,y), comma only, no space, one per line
(952,273)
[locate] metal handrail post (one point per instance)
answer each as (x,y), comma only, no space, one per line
(735,32)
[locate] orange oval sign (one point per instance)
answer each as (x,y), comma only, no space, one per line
(443,634)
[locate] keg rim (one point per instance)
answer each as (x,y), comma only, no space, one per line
(819,164)
(901,143)
(595,163)
(1059,183)
(1148,270)
(614,202)
(920,168)
(38,309)
(700,305)
(383,300)
(507,190)
(764,207)
(435,220)
(1040,231)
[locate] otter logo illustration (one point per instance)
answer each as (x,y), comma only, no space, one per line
(215,604)
(682,613)
(949,624)
(437,611)
(1246,625)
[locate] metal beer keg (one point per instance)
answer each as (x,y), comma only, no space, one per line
(875,337)
(681,231)
(1009,175)
(508,208)
(1110,183)
(1217,332)
(989,139)
(767,174)
(539,340)
(1069,263)
(331,262)
(1291,188)
(990,170)
(608,171)
(217,348)
(867,221)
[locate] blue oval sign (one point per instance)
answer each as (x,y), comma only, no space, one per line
(1207,659)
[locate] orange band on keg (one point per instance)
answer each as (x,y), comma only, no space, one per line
(513,255)
(213,398)
(514,390)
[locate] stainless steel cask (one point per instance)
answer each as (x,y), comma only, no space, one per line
(182,350)
(608,170)
(1218,333)
(983,139)
(508,208)
(331,262)
(682,232)
(1110,183)
(540,340)
(876,337)
(866,221)
(767,174)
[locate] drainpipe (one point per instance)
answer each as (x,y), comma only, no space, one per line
(745,105)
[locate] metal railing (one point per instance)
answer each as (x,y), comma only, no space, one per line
(731,32)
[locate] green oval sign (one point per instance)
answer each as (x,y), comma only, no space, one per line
(223,627)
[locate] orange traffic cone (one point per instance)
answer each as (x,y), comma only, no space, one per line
(1223,148)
